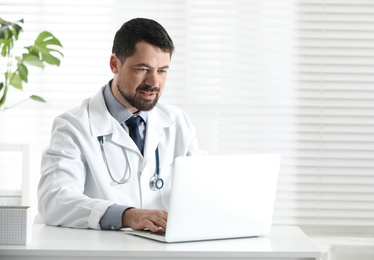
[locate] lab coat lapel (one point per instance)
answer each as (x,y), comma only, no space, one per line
(156,123)
(102,123)
(121,137)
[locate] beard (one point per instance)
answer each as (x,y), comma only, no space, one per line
(137,101)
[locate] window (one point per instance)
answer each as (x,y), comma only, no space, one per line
(291,77)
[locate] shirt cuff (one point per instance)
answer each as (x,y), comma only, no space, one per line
(112,218)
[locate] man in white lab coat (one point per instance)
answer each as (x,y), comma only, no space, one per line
(94,174)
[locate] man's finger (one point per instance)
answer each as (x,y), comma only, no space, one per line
(139,219)
(160,222)
(153,228)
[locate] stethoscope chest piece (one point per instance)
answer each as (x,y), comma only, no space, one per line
(156,183)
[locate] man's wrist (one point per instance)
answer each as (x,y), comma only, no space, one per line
(112,218)
(125,216)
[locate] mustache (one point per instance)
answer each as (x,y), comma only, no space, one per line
(147,88)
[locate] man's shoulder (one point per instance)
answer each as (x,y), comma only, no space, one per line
(172,111)
(86,107)
(78,111)
(168,108)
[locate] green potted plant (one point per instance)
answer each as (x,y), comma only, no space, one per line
(16,71)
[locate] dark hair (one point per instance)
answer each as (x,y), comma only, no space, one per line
(140,29)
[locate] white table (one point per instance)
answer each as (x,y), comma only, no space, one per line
(284,242)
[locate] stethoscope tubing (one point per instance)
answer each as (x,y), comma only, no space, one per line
(114,181)
(156,183)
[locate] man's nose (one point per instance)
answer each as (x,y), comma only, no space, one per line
(152,79)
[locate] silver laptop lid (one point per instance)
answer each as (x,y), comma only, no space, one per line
(215,197)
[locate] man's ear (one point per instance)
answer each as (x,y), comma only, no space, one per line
(114,63)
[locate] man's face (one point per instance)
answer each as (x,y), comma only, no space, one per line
(140,80)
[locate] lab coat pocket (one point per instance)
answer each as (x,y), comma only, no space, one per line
(166,173)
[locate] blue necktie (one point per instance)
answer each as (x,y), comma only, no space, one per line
(133,125)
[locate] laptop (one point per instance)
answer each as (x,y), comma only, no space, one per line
(220,197)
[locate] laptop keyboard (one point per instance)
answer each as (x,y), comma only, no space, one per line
(160,233)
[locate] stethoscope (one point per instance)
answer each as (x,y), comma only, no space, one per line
(155,183)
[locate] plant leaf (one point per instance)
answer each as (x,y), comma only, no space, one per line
(13,29)
(16,81)
(23,72)
(9,33)
(1,85)
(3,98)
(40,48)
(37,98)
(32,60)
(7,44)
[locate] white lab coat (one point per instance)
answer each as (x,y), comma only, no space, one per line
(74,189)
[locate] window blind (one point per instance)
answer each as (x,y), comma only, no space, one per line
(288,77)
(331,183)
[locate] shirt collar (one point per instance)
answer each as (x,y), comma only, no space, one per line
(116,109)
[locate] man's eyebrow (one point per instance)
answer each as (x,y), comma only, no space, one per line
(164,67)
(143,65)
(150,67)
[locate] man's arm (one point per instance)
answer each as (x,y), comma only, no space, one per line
(61,198)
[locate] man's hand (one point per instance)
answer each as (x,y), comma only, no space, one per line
(139,219)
